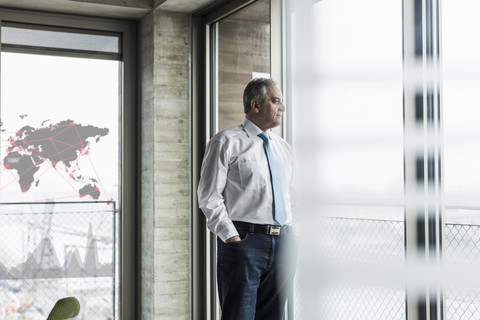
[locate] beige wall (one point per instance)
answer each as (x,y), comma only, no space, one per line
(165,161)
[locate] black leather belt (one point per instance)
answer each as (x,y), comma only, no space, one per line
(273,230)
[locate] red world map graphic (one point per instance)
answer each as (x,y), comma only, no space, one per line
(31,152)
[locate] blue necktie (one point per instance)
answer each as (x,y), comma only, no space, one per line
(280,213)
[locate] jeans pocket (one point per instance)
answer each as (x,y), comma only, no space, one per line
(235,252)
(243,237)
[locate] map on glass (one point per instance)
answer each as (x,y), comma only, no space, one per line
(31,151)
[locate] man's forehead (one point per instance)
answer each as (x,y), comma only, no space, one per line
(274,92)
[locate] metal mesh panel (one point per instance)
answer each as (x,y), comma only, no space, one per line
(373,242)
(353,242)
(53,250)
(382,242)
(363,302)
(462,250)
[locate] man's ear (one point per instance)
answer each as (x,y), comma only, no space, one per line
(254,104)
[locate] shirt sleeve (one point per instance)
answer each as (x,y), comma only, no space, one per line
(213,178)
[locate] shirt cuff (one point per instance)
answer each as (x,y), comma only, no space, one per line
(227,232)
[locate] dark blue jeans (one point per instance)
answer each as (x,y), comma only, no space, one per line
(254,276)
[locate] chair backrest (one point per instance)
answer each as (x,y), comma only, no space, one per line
(64,309)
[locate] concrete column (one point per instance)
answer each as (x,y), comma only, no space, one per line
(164,40)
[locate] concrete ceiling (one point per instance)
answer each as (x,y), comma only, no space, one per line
(124,9)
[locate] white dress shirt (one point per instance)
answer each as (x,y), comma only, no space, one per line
(235,180)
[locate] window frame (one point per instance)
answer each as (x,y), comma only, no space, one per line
(128,205)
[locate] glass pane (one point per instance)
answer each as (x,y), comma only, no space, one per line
(461,80)
(359,107)
(461,70)
(348,128)
(243,54)
(60,40)
(59,183)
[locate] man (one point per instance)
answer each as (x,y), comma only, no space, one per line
(243,208)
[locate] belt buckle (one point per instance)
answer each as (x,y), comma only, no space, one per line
(273,230)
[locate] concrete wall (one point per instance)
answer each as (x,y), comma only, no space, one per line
(147,149)
(165,159)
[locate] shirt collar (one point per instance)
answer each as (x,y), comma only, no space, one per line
(251,129)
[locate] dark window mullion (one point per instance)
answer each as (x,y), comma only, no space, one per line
(423,213)
(61,52)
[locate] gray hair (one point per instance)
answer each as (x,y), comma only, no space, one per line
(256,89)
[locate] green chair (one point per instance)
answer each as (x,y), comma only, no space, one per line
(64,309)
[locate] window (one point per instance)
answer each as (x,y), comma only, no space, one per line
(62,206)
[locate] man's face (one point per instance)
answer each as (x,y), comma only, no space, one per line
(270,110)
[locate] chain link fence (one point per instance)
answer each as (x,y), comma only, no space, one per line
(53,250)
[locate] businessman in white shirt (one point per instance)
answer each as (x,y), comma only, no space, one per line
(237,195)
